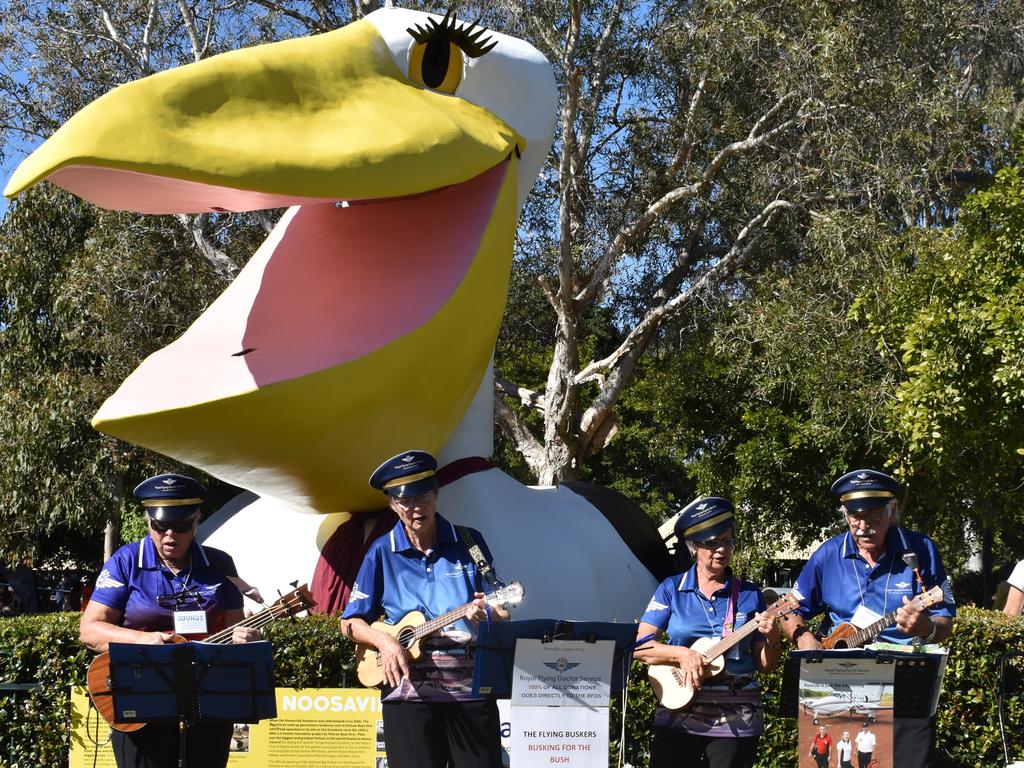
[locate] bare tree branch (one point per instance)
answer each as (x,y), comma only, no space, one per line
(527,397)
(628,233)
(515,430)
(189,20)
(217,258)
(116,38)
(620,361)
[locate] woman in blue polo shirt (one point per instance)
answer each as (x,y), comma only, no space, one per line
(152,590)
(723,724)
(431,718)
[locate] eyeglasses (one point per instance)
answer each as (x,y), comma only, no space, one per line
(176,601)
(415,501)
(717,543)
(178,526)
(871,518)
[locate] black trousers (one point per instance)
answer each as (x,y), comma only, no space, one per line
(863,758)
(156,746)
(913,742)
(420,734)
(677,749)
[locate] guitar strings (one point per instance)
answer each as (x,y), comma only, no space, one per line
(257,620)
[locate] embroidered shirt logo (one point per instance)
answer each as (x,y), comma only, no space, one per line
(654,605)
(106,581)
(357,594)
(457,569)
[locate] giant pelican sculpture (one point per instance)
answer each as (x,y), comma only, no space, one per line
(405,145)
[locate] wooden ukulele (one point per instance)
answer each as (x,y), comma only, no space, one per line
(98,676)
(846,635)
(667,679)
(413,627)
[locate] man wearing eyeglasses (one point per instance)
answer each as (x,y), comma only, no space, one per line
(868,571)
(424,564)
(153,591)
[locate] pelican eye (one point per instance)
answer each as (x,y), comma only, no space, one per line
(439,50)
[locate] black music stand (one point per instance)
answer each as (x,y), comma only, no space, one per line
(917,679)
(496,649)
(189,682)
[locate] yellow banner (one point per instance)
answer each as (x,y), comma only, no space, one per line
(341,727)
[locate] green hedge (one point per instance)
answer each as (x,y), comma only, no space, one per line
(310,653)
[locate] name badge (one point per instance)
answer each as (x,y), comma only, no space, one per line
(190,622)
(864,616)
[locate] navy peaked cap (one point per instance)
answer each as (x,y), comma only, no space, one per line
(705,518)
(865,489)
(170,497)
(407,474)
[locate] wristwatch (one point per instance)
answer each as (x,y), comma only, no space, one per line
(931,635)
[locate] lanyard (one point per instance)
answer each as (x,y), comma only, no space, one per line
(730,612)
(856,574)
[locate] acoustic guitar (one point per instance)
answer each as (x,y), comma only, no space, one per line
(414,626)
(846,635)
(667,679)
(98,676)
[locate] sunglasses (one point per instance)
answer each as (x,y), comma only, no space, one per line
(178,526)
(718,543)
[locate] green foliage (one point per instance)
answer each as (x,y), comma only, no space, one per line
(956,316)
(34,729)
(34,725)
(84,296)
(968,710)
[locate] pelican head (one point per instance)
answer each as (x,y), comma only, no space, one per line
(404,145)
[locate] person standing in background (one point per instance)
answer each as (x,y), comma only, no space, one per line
(1015,596)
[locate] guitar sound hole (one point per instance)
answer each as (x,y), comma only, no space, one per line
(405,638)
(840,644)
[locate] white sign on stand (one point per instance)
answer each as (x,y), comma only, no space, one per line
(568,673)
(559,706)
(574,737)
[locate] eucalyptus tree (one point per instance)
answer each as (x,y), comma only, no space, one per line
(84,295)
(698,142)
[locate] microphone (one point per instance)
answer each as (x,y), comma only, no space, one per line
(910,558)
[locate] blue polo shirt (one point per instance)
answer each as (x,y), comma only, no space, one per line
(396,578)
(838,579)
(135,582)
(685,614)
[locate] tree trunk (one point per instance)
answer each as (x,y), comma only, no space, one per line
(112,530)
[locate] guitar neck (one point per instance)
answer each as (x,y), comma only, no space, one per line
(924,600)
(431,626)
(780,607)
(257,620)
(861,636)
(723,645)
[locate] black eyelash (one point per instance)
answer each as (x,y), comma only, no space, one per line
(473,44)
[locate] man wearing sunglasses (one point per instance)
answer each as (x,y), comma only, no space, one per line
(871,569)
(431,718)
(156,590)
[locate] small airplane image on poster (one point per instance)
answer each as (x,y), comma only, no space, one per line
(852,700)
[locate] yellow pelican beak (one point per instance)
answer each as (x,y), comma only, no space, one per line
(330,117)
(365,323)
